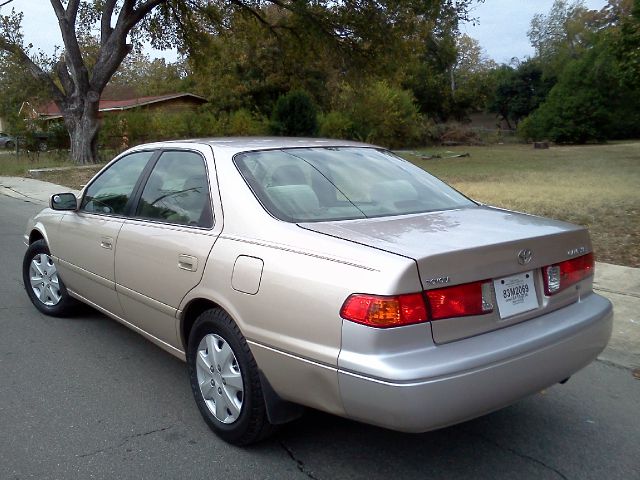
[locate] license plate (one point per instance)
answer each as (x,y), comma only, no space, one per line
(515,294)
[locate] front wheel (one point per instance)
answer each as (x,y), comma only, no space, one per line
(225,381)
(42,282)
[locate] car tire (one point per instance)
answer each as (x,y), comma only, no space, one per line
(44,286)
(225,381)
(10,145)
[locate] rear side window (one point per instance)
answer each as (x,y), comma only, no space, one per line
(111,191)
(342,183)
(177,191)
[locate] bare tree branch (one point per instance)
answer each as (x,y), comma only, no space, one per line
(143,10)
(61,70)
(58,8)
(72,11)
(73,54)
(105,21)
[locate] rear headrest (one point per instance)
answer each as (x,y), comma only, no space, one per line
(298,201)
(391,191)
(288,175)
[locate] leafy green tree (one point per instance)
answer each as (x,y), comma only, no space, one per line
(294,115)
(151,76)
(627,42)
(518,91)
(411,44)
(471,80)
(561,35)
(589,102)
(597,95)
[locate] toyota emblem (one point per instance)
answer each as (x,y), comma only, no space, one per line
(524,256)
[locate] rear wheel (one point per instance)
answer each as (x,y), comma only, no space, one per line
(42,282)
(10,145)
(225,381)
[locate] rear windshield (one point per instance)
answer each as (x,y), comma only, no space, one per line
(342,183)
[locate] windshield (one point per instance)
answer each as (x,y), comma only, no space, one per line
(342,183)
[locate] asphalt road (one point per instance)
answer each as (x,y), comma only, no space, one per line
(85,397)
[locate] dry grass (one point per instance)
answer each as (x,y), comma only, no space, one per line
(597,186)
(75,178)
(13,165)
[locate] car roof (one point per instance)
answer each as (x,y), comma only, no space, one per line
(235,145)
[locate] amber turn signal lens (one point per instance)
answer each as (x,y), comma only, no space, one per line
(385,311)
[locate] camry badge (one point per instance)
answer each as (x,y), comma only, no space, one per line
(524,256)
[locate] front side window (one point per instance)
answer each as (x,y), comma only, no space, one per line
(177,191)
(111,191)
(342,183)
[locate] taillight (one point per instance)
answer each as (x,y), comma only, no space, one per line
(397,310)
(460,300)
(564,274)
(385,311)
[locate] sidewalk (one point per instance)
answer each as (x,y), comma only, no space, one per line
(35,191)
(619,284)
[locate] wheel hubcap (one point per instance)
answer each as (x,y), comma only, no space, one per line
(44,280)
(219,378)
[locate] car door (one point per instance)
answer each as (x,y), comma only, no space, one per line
(86,239)
(163,248)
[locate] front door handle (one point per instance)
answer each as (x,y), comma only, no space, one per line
(188,263)
(106,242)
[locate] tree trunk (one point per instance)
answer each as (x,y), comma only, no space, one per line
(83,129)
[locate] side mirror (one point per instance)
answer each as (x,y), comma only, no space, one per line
(64,201)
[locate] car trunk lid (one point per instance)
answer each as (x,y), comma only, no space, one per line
(468,245)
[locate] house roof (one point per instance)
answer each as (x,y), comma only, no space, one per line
(51,110)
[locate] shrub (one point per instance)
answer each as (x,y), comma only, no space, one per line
(381,114)
(294,114)
(336,125)
(243,123)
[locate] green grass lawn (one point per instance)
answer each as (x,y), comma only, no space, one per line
(597,186)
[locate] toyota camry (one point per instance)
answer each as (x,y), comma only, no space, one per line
(327,274)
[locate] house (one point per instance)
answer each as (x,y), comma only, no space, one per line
(45,120)
(3,124)
(172,102)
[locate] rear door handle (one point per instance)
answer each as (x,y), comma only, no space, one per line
(188,263)
(106,242)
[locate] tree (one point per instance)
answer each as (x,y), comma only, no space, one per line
(294,115)
(627,41)
(76,85)
(597,96)
(471,81)
(518,91)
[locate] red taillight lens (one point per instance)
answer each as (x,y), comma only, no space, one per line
(460,300)
(384,312)
(564,274)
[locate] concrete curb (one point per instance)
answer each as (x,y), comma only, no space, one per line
(619,284)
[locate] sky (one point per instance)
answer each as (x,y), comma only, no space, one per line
(503,24)
(501,28)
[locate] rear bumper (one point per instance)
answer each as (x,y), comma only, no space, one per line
(427,386)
